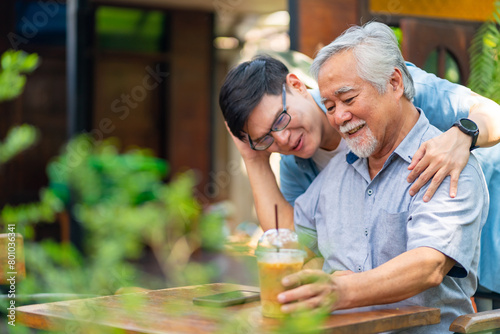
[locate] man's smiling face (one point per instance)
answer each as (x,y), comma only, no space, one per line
(354,107)
(302,136)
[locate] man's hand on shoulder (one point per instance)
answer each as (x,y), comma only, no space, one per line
(446,154)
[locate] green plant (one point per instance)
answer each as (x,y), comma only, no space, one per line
(484,52)
(123,205)
(14,67)
(15,64)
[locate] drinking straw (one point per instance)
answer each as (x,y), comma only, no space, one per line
(276,217)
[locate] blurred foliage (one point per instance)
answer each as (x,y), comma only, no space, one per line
(123,206)
(399,35)
(484,53)
(24,214)
(18,139)
(14,66)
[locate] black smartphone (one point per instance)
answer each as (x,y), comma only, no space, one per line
(227,298)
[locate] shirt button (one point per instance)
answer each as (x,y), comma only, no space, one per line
(366,232)
(370,192)
(359,268)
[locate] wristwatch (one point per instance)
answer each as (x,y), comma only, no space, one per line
(469,128)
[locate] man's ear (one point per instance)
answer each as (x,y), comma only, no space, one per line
(294,82)
(396,81)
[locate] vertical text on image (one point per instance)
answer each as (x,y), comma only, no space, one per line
(11,274)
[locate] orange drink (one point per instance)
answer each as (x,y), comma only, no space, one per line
(273,266)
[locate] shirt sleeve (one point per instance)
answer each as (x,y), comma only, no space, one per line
(452,225)
(442,101)
(305,213)
(293,181)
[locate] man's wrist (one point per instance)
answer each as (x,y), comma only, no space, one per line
(469,128)
(341,287)
(462,138)
(257,160)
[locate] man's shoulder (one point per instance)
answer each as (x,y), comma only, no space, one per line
(431,131)
(293,164)
(474,167)
(296,174)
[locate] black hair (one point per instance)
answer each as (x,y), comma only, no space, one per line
(244,87)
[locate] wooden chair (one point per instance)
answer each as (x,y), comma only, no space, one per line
(481,322)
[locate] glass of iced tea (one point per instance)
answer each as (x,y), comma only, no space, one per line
(278,255)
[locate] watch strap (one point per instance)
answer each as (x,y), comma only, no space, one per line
(474,133)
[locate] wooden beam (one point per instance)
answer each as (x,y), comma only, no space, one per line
(189,121)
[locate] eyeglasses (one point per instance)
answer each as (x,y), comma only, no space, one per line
(279,124)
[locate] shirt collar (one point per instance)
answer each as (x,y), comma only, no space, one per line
(410,144)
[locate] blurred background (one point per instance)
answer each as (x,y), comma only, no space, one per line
(143,76)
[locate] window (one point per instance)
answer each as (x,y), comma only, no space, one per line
(128,29)
(451,70)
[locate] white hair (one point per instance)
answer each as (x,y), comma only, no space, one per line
(376,52)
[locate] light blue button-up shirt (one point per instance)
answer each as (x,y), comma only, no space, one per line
(357,223)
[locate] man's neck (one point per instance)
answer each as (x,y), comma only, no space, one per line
(330,139)
(404,125)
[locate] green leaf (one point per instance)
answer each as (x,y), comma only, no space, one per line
(18,139)
(7,60)
(29,63)
(484,62)
(14,64)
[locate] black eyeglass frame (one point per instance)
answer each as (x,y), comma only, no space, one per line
(273,128)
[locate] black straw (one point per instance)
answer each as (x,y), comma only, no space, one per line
(276,217)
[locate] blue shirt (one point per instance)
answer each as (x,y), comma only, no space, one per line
(444,103)
(358,224)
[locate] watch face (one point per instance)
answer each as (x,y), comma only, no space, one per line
(468,124)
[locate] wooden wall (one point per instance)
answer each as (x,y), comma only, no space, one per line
(189,121)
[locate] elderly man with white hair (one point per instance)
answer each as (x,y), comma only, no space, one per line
(383,245)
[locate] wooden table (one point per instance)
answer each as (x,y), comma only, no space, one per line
(172,311)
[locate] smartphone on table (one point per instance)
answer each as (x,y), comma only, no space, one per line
(227,298)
